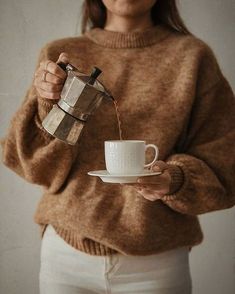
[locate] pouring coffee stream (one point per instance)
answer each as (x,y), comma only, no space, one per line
(80,96)
(118,119)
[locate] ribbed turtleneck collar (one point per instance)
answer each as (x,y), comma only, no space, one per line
(114,39)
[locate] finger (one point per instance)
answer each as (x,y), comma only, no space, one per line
(159,166)
(49,95)
(49,77)
(152,187)
(141,185)
(64,57)
(151,179)
(150,196)
(163,178)
(53,68)
(48,87)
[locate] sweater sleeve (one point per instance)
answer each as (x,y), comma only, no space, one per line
(207,153)
(29,150)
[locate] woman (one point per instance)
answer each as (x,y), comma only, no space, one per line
(102,238)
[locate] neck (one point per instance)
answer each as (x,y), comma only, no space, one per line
(125,24)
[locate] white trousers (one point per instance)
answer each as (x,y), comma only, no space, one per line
(66,270)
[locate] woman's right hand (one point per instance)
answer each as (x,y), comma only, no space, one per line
(49,78)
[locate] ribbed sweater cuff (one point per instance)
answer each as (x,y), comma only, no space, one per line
(44,106)
(177,177)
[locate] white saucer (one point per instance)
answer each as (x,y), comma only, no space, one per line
(121,179)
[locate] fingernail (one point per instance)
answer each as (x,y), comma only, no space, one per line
(63,56)
(64,59)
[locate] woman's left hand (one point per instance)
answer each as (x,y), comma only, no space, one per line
(154,187)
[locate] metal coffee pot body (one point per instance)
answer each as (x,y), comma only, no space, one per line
(80,96)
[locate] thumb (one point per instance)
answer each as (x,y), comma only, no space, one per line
(64,57)
(160,166)
(156,168)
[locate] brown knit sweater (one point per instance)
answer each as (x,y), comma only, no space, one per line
(170,92)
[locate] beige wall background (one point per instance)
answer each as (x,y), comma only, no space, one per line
(25,26)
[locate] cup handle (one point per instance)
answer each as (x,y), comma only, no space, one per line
(156,154)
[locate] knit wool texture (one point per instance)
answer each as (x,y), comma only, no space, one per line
(170,92)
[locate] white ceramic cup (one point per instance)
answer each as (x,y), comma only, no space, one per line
(125,157)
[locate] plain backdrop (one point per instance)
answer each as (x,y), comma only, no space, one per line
(25,26)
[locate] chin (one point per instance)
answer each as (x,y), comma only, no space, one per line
(129,8)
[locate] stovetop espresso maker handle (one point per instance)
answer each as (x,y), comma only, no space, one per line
(62,65)
(94,74)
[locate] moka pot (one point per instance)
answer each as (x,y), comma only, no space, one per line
(80,96)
